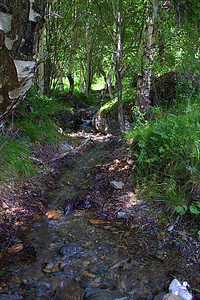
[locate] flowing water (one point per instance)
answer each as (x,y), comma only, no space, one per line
(76,257)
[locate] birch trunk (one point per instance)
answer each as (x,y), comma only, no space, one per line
(118,70)
(87,72)
(61,84)
(71,55)
(20,29)
(41,67)
(146,53)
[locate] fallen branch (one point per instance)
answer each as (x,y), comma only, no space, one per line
(70,152)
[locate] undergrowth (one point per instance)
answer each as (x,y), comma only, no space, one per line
(34,122)
(15,161)
(166,152)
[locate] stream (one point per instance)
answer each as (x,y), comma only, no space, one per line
(79,257)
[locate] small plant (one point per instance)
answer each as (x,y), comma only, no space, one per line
(194,208)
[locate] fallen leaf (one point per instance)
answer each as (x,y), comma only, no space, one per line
(127,234)
(4,205)
(15,248)
(52,267)
(87,244)
(96,222)
(51,214)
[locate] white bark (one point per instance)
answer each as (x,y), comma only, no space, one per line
(18,50)
(146,53)
(41,67)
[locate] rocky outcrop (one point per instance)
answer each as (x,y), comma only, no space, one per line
(166,88)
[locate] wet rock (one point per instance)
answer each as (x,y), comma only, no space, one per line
(68,250)
(170,228)
(65,147)
(170,296)
(68,290)
(119,264)
(98,177)
(52,267)
(121,214)
(100,294)
(105,125)
(118,185)
(10,297)
(159,296)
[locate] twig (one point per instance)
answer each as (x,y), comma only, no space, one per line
(69,152)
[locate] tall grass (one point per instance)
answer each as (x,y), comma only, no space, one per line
(166,151)
(35,123)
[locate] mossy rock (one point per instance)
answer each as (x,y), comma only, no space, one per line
(165,89)
(106,121)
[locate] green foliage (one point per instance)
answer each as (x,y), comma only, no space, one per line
(38,110)
(15,162)
(166,151)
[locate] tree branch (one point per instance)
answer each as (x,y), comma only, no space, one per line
(100,10)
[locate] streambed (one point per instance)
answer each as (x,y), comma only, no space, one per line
(81,257)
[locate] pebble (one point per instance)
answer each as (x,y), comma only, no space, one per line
(121,214)
(118,185)
(100,294)
(68,250)
(170,228)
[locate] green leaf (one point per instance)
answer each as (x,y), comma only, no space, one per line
(1,273)
(198,203)
(194,209)
(181,210)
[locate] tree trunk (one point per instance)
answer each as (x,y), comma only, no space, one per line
(41,67)
(71,55)
(62,90)
(146,53)
(87,69)
(20,27)
(118,72)
(71,89)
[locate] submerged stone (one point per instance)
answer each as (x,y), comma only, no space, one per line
(68,250)
(100,294)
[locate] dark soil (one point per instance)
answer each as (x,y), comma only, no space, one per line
(23,203)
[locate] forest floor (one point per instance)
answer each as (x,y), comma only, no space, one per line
(23,203)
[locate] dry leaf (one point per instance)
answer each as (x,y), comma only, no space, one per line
(51,214)
(87,244)
(96,222)
(15,248)
(127,234)
(4,205)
